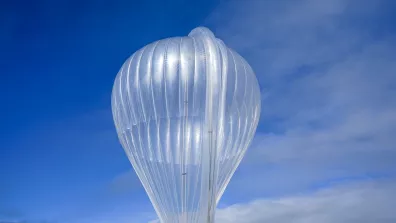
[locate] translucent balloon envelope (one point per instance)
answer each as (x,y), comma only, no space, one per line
(186,109)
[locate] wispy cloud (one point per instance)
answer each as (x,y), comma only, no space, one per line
(363,202)
(126,182)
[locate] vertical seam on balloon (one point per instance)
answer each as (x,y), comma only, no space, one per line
(143,158)
(167,158)
(199,143)
(156,118)
(251,97)
(199,146)
(165,92)
(182,153)
(134,119)
(222,112)
(234,104)
(229,159)
(129,106)
(210,60)
(244,107)
(120,90)
(153,164)
(242,151)
(141,103)
(173,155)
(139,90)
(169,152)
(206,77)
(177,141)
(241,136)
(151,80)
(238,123)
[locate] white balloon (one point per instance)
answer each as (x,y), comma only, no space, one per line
(185,110)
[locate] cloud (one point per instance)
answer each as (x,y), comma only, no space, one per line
(125,183)
(311,57)
(363,202)
(279,37)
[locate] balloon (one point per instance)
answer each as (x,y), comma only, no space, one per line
(186,110)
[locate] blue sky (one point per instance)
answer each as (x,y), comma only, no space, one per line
(328,79)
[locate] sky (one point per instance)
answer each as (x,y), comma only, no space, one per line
(324,150)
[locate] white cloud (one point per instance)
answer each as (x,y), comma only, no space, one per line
(363,202)
(124,183)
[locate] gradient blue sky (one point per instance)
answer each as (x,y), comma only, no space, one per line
(328,76)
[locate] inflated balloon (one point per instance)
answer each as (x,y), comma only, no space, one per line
(186,109)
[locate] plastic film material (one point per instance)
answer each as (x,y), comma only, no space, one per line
(186,110)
